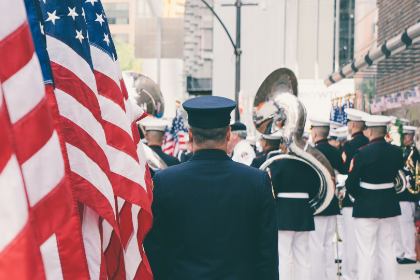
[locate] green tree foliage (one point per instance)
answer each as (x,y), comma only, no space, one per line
(125,52)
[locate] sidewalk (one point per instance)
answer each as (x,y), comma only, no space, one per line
(406,271)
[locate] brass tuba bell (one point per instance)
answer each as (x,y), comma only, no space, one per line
(276,107)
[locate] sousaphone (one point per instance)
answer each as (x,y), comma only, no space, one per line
(276,107)
(146,93)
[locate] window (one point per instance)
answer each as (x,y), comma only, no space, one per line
(117,13)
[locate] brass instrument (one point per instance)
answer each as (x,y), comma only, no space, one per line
(415,173)
(146,93)
(276,107)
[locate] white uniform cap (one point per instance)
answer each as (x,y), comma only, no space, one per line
(154,124)
(355,115)
(316,122)
(305,135)
(342,131)
(405,121)
(409,129)
(394,119)
(375,120)
(335,125)
(251,140)
(275,136)
(333,133)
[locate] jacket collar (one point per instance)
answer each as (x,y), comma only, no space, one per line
(357,134)
(378,140)
(155,147)
(320,142)
(210,154)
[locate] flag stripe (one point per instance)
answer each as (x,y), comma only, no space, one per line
(15,51)
(103,64)
(112,113)
(16,91)
(41,179)
(120,140)
(109,89)
(92,241)
(51,259)
(36,126)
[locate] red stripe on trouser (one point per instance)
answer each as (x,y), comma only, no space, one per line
(33,131)
(21,258)
(71,248)
(145,221)
(6,149)
(76,136)
(56,205)
(16,50)
(68,82)
(89,195)
(109,89)
(119,139)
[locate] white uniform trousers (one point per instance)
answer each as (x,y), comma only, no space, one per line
(321,247)
(376,239)
(349,263)
(295,244)
(405,238)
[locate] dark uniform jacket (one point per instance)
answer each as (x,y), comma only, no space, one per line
(406,195)
(260,159)
(214,219)
(333,156)
(169,160)
(376,163)
(357,141)
(184,156)
(294,176)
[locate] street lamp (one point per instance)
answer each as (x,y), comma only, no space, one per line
(237,47)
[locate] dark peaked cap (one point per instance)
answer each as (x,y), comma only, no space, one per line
(209,111)
(238,126)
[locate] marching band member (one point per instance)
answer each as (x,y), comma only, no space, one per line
(269,143)
(372,172)
(355,126)
(405,237)
(242,151)
(321,240)
(294,215)
(155,131)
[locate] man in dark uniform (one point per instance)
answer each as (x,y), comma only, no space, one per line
(320,240)
(372,172)
(269,143)
(355,126)
(405,239)
(155,130)
(213,218)
(294,214)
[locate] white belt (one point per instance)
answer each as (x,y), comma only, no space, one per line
(376,186)
(293,195)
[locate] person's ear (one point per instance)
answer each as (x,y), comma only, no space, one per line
(228,134)
(190,136)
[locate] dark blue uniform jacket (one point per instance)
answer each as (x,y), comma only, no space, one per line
(357,141)
(169,160)
(214,219)
(376,163)
(294,176)
(260,159)
(333,156)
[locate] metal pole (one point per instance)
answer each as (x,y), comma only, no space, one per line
(337,35)
(284,32)
(316,40)
(297,42)
(159,47)
(238,58)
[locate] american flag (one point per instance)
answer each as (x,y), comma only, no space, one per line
(34,196)
(103,157)
(175,136)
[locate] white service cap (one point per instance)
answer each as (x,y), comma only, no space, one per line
(154,124)
(335,125)
(342,131)
(251,140)
(409,129)
(317,122)
(376,120)
(394,119)
(275,136)
(355,115)
(333,133)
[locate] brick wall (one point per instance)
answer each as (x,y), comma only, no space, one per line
(401,72)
